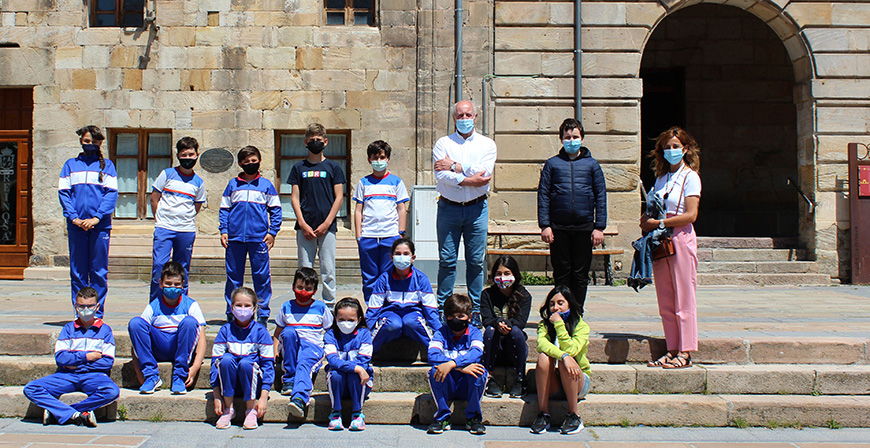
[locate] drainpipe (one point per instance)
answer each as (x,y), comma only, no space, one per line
(457,28)
(578,64)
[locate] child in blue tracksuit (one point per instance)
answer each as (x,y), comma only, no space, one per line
(242,363)
(456,374)
(402,302)
(250,217)
(84,353)
(169,329)
(176,197)
(88,192)
(348,349)
(379,216)
(299,334)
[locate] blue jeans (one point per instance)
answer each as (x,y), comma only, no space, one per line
(470,223)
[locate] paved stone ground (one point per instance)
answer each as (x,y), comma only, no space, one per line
(15,433)
(833,311)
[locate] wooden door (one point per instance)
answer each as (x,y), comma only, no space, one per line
(15,204)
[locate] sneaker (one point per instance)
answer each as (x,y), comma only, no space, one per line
(437,427)
(48,418)
(357,422)
(225,419)
(541,423)
(250,419)
(297,407)
(475,426)
(493,390)
(572,424)
(287,390)
(178,386)
(475,320)
(150,385)
(84,419)
(518,390)
(335,421)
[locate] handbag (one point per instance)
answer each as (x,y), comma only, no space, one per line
(666,245)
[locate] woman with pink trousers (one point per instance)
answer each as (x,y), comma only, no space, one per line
(676,161)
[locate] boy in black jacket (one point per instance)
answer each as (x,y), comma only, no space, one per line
(572,209)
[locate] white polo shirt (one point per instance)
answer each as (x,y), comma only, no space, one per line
(476,154)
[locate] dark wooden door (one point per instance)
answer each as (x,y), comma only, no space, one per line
(16,224)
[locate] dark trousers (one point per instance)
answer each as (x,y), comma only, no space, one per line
(509,347)
(571,253)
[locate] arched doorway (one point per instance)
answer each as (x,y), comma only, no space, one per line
(726,76)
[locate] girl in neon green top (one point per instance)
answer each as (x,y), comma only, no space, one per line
(563,338)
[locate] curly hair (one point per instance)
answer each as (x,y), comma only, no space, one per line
(692,158)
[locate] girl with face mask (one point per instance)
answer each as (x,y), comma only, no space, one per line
(348,349)
(402,302)
(676,161)
(504,310)
(242,357)
(88,192)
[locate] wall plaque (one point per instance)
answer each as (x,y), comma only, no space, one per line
(217,160)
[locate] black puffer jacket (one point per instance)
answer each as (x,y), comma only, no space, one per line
(572,193)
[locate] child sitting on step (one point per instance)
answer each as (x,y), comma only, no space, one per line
(242,362)
(348,348)
(563,338)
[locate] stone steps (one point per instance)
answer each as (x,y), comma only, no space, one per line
(751,254)
(793,379)
(610,350)
(411,407)
(756,267)
(715,242)
(757,279)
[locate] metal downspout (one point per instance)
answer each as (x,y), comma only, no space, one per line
(578,64)
(457,28)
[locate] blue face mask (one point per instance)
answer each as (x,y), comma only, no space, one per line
(565,314)
(379,165)
(402,262)
(172,293)
(465,125)
(673,156)
(572,146)
(90,149)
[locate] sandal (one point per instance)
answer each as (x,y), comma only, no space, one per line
(679,362)
(665,359)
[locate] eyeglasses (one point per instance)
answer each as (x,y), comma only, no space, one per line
(86,307)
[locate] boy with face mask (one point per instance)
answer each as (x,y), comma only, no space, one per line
(456,374)
(176,197)
(250,218)
(379,217)
(301,323)
(84,353)
(317,194)
(169,329)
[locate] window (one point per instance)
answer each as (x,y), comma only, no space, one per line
(291,149)
(118,13)
(139,156)
(350,12)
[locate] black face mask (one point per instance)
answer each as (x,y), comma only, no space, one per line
(90,149)
(316,147)
(187,163)
(251,168)
(457,325)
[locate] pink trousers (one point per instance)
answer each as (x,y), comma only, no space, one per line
(675,280)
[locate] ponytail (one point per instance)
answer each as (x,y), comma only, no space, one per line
(97,136)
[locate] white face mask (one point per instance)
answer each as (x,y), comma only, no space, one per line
(347,326)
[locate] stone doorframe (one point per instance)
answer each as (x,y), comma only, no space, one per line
(787,29)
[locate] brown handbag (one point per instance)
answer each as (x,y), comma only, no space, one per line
(665,249)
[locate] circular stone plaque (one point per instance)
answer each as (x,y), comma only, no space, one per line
(217,160)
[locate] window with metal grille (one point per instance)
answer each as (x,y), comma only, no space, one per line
(139,156)
(349,12)
(117,13)
(290,149)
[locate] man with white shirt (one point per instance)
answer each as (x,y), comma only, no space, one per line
(464,162)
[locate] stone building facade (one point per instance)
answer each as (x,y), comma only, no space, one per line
(772,89)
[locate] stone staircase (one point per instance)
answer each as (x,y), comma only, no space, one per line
(736,382)
(755,261)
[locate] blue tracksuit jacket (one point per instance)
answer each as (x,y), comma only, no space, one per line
(250,210)
(83,195)
(74,343)
(403,295)
(252,343)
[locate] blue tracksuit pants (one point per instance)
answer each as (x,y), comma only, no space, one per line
(151,345)
(45,391)
(457,386)
(177,244)
(89,261)
(346,384)
(392,325)
(374,259)
(301,362)
(238,376)
(260,273)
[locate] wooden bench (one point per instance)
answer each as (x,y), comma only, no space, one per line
(516,230)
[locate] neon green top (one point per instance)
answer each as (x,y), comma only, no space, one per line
(575,346)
